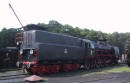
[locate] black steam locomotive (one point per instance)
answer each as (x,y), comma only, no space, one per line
(46,52)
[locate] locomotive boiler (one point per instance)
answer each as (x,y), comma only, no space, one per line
(45,52)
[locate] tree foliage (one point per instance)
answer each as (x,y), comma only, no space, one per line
(122,40)
(7,37)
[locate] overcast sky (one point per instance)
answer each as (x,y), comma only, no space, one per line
(101,15)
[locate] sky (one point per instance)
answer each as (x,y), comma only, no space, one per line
(101,15)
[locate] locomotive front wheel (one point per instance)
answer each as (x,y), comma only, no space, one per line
(87,64)
(102,62)
(98,63)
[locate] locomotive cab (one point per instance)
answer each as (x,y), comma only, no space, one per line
(89,47)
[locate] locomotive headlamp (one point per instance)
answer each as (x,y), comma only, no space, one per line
(17,64)
(31,51)
(21,51)
(17,43)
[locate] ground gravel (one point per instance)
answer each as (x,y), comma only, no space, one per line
(79,76)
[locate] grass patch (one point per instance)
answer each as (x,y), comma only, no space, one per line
(111,70)
(120,69)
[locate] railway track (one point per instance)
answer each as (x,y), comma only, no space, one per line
(9,77)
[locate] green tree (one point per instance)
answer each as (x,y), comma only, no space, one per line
(54,26)
(7,37)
